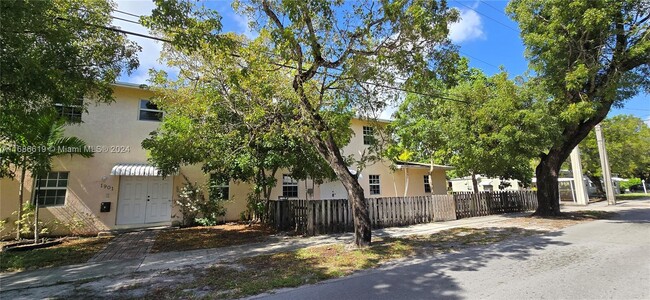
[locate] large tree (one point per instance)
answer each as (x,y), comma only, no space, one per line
(589,55)
(336,55)
(627,139)
(55,52)
(487,126)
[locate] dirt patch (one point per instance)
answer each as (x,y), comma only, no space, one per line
(258,274)
(555,223)
(205,237)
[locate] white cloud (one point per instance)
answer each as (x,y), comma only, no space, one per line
(242,22)
(647,121)
(150,48)
(468,28)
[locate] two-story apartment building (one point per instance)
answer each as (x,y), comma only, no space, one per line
(117,188)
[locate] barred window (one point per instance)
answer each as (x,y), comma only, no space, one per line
(289,187)
(51,189)
(368,135)
(427,185)
(149,111)
(71,112)
(375,188)
(219,189)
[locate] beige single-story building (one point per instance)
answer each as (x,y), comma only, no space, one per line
(119,189)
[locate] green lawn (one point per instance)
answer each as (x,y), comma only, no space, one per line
(633,196)
(67,253)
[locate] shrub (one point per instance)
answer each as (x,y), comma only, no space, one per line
(195,208)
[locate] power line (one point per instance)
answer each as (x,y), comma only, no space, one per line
(127,13)
(478,59)
(492,7)
(118,30)
(403,79)
(493,19)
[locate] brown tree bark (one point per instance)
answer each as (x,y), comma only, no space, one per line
(474,183)
(21,197)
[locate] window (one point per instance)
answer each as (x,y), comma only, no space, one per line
(368,135)
(51,189)
(219,189)
(427,185)
(374,185)
(70,112)
(289,187)
(149,111)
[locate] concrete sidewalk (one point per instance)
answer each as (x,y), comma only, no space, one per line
(205,257)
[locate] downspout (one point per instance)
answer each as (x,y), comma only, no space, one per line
(406,181)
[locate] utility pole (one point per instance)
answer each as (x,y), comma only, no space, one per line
(581,196)
(604,165)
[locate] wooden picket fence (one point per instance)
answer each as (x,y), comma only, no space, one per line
(470,204)
(311,217)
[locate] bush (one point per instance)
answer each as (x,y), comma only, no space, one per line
(625,185)
(195,208)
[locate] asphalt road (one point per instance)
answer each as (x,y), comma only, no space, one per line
(606,259)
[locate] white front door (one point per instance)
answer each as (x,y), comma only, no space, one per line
(333,190)
(144,200)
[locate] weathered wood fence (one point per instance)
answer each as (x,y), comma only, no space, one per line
(470,204)
(313,217)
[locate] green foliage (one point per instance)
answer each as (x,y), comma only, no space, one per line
(54,52)
(587,55)
(494,131)
(627,139)
(625,185)
(25,225)
(196,208)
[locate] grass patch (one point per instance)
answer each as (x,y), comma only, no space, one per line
(205,237)
(67,253)
(633,196)
(586,215)
(258,274)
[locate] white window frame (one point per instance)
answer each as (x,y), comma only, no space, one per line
(288,182)
(374,181)
(71,114)
(369,133)
(427,183)
(140,109)
(220,186)
(46,189)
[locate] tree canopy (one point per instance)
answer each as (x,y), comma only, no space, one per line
(327,59)
(627,139)
(589,55)
(489,125)
(55,52)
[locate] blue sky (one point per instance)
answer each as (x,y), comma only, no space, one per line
(485,35)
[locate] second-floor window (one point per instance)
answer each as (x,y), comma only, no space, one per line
(289,187)
(71,112)
(149,111)
(375,186)
(368,135)
(51,189)
(427,185)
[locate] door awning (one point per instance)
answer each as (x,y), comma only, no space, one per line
(135,170)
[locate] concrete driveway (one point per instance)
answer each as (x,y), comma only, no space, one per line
(605,259)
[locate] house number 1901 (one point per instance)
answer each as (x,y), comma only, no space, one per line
(106,186)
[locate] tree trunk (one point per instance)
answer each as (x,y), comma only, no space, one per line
(356,198)
(21,193)
(597,183)
(36,214)
(547,186)
(474,183)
